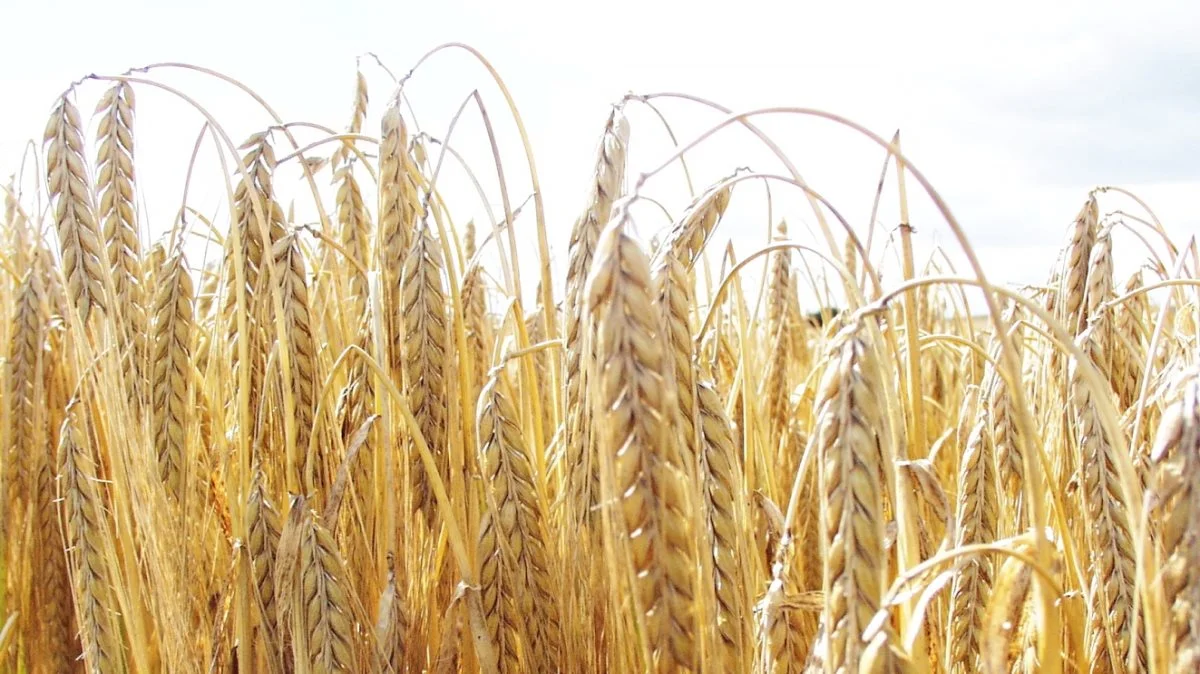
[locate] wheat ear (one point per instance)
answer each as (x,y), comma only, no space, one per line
(1176,454)
(1074,279)
(1108,535)
(583,482)
(173,325)
(293,289)
(324,629)
(521,522)
(82,512)
(83,254)
(850,455)
(648,490)
(975,517)
(725,510)
(425,344)
(398,207)
(117,213)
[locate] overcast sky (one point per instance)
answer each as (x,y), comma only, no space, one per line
(1014,110)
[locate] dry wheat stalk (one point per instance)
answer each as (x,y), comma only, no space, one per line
(423,303)
(609,173)
(500,613)
(82,511)
(173,325)
(688,236)
(1000,643)
(1098,290)
(118,219)
(797,326)
(648,490)
(83,254)
(16,224)
(782,632)
(246,228)
(535,329)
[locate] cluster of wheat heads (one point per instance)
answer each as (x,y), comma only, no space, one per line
(357,446)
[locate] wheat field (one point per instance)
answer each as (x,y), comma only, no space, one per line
(369,445)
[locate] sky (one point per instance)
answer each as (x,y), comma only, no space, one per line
(1012,111)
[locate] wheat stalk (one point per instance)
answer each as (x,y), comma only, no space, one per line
(250,240)
(118,219)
